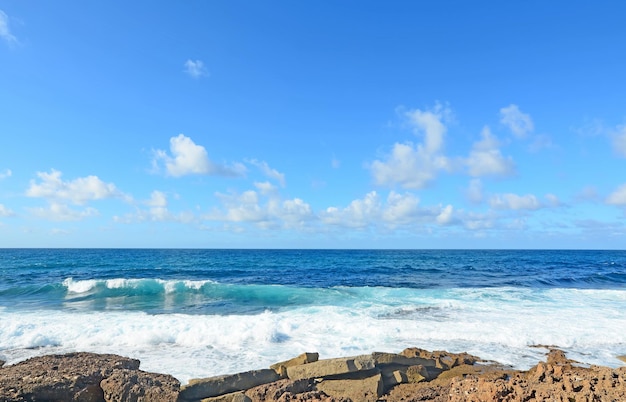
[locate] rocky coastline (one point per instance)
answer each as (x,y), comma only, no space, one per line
(412,375)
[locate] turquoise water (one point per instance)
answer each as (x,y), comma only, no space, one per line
(203,312)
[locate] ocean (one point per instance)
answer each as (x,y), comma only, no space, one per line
(198,313)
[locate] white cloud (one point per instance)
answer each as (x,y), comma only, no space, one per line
(5,32)
(6,173)
(519,123)
(189,158)
(511,201)
(265,212)
(430,123)
(157,211)
(446,215)
(158,206)
(617,197)
(268,171)
(411,167)
(61,212)
(195,68)
(397,210)
(401,208)
(414,165)
(4,211)
(78,191)
(359,214)
(265,188)
(486,159)
(619,140)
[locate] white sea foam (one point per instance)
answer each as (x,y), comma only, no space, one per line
(79,286)
(168,286)
(497,324)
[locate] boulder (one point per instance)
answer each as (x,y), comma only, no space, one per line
(304,358)
(69,377)
(331,367)
(367,389)
(139,386)
(215,386)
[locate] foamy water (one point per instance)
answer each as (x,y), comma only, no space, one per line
(498,324)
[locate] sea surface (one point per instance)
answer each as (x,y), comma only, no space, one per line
(197,313)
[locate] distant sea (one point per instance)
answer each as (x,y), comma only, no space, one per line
(196,313)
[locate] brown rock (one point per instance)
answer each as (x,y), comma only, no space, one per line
(139,386)
(214,386)
(367,389)
(331,367)
(304,358)
(281,389)
(232,397)
(69,377)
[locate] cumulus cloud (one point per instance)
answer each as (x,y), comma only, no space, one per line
(189,158)
(265,188)
(265,209)
(78,191)
(430,124)
(359,214)
(5,173)
(396,210)
(61,212)
(5,32)
(195,69)
(157,211)
(617,197)
(5,212)
(485,158)
(268,171)
(619,140)
(512,201)
(519,123)
(415,165)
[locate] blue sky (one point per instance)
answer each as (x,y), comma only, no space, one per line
(350,124)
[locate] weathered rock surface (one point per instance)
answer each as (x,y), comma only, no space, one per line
(331,367)
(214,386)
(139,386)
(304,358)
(444,377)
(78,377)
(366,389)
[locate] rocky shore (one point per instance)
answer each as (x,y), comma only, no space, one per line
(412,375)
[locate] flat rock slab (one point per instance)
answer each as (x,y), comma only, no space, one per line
(392,358)
(304,358)
(216,386)
(363,390)
(331,367)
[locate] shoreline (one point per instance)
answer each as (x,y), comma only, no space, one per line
(411,375)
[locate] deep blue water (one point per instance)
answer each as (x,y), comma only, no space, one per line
(177,309)
(52,278)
